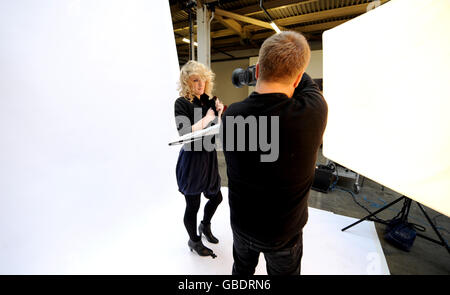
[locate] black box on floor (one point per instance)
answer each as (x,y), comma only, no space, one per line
(323,178)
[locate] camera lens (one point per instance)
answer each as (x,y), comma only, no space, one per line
(242,77)
(238,77)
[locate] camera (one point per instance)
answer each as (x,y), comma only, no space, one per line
(241,77)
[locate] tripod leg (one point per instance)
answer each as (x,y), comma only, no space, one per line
(374,213)
(434,228)
(406,208)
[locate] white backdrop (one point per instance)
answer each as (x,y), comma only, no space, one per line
(86,111)
(387,83)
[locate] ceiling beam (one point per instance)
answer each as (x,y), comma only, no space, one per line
(250,28)
(308,28)
(245,19)
(174,8)
(236,28)
(227,41)
(249,10)
(304,29)
(259,36)
(255,9)
(180,25)
(315,16)
(301,29)
(320,15)
(233,25)
(321,26)
(265,35)
(222,33)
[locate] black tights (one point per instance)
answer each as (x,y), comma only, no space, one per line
(192,207)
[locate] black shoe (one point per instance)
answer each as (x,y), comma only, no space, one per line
(205,229)
(201,249)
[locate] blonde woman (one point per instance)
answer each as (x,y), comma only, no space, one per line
(197,169)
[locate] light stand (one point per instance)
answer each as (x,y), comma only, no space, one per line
(189,6)
(404,216)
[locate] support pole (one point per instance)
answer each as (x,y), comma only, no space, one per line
(191,41)
(203,35)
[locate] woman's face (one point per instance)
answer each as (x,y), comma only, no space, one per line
(197,85)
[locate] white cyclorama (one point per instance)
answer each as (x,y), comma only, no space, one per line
(86,110)
(387,84)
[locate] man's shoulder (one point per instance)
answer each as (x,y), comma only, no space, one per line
(235,108)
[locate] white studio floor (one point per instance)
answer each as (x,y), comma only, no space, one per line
(163,250)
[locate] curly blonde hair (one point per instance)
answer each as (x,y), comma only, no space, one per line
(195,68)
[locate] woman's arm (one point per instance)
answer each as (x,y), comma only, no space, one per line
(204,122)
(182,117)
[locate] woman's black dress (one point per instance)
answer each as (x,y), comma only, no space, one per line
(197,171)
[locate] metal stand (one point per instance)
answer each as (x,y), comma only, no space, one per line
(189,7)
(404,217)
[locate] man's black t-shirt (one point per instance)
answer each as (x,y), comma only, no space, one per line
(269,200)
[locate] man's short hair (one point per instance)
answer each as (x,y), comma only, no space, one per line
(282,56)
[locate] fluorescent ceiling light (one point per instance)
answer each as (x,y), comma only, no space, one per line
(274,26)
(188,41)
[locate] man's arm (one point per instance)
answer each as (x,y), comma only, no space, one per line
(308,91)
(306,85)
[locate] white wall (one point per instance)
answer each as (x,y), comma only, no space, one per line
(252,61)
(86,112)
(315,67)
(224,89)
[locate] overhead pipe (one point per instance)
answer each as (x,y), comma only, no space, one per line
(265,11)
(272,24)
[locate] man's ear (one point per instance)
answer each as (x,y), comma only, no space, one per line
(257,71)
(298,79)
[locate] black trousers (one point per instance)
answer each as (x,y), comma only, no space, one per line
(192,207)
(284,260)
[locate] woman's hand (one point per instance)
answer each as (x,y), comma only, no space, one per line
(208,117)
(219,107)
(201,124)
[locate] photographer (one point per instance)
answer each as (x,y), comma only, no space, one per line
(197,169)
(269,200)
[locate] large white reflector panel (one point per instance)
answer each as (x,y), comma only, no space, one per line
(387,83)
(86,111)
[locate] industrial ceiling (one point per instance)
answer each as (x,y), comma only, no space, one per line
(242,24)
